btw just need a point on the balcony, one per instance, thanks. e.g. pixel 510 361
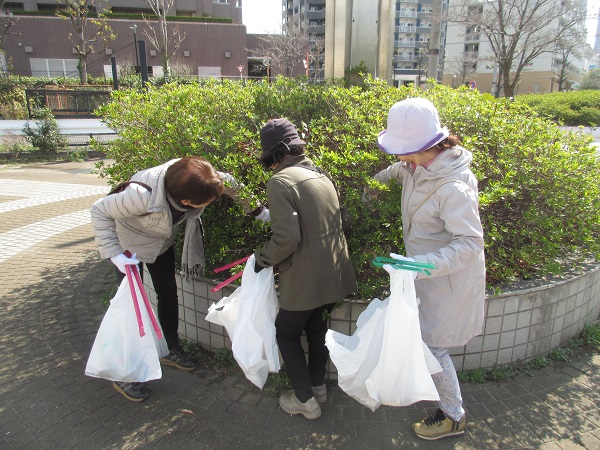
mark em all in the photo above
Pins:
pixel 405 29
pixel 316 14
pixel 316 29
pixel 405 43
pixel 472 37
pixel 411 14
pixel 405 58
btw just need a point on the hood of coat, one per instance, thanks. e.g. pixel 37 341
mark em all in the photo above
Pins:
pixel 448 163
pixel 294 160
pixel 155 178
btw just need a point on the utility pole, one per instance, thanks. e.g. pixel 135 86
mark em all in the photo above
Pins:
pixel 135 45
pixel 434 40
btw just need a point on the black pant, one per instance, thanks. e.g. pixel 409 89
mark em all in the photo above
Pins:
pixel 162 272
pixel 289 326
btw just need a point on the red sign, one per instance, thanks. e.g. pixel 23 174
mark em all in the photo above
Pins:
pixel 240 69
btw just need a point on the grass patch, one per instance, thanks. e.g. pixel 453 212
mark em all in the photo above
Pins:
pixel 224 362
pixel 276 383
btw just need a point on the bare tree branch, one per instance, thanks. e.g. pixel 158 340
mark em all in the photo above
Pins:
pixel 284 51
pixel 164 38
pixel 519 31
pixel 6 23
pixel 91 34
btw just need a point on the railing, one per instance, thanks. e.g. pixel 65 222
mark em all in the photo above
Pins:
pixel 66 103
pixel 411 14
pixel 405 43
pixel 83 139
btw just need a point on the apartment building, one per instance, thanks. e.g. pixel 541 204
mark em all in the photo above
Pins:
pixel 469 60
pixel 308 16
pixel 366 24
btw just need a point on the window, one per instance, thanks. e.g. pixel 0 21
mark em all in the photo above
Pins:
pixel 220 1
pixel 41 67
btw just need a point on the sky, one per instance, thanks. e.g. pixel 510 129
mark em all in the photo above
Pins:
pixel 264 16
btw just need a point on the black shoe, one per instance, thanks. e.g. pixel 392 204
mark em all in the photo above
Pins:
pixel 136 392
pixel 178 358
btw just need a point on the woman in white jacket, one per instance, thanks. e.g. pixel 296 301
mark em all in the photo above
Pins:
pixel 144 217
pixel 441 225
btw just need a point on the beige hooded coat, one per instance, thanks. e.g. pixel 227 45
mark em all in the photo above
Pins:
pixel 140 220
pixel 441 225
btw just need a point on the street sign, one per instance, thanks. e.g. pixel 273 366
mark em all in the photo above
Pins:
pixel 472 85
pixel 240 69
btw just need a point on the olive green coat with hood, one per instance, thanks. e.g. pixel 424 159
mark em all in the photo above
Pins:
pixel 308 245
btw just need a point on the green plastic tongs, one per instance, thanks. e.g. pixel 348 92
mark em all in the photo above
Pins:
pixel 380 261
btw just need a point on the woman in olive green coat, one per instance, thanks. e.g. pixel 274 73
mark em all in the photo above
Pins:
pixel 309 249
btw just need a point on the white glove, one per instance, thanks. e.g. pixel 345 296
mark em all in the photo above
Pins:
pixel 402 258
pixel 405 258
pixel 264 216
pixel 121 261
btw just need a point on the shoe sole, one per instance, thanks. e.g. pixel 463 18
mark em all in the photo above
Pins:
pixel 315 415
pixel 129 397
pixel 168 362
pixel 449 435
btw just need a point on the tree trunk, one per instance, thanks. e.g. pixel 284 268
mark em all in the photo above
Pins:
pixel 165 65
pixel 82 67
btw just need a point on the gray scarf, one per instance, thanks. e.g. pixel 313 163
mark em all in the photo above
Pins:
pixel 193 261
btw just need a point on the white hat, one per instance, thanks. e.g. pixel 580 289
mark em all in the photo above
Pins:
pixel 413 126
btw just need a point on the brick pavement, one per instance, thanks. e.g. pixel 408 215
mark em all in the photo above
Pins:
pixel 51 288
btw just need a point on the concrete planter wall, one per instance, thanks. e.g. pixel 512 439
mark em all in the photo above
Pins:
pixel 519 325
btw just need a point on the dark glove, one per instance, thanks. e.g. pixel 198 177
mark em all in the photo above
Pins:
pixel 257 267
pixel 261 213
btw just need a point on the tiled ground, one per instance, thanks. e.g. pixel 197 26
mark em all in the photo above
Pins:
pixel 51 289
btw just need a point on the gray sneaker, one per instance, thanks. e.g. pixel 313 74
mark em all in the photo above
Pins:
pixel 291 405
pixel 136 392
pixel 320 393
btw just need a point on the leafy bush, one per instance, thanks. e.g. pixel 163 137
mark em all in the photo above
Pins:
pixel 45 137
pixel 568 108
pixel 539 195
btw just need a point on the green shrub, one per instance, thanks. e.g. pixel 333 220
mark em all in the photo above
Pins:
pixel 539 362
pixel 474 376
pixel 539 195
pixel 591 336
pixel 45 136
pixel 568 108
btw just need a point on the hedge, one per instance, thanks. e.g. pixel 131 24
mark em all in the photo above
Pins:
pixel 539 191
pixel 578 108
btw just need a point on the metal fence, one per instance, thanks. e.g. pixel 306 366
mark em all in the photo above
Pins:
pixel 83 139
pixel 66 104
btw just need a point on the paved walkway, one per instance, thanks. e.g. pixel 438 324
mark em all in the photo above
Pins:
pixel 51 289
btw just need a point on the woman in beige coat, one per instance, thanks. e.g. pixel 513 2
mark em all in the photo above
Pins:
pixel 309 249
pixel 144 218
pixel 441 225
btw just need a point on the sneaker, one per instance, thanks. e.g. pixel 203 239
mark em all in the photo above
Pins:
pixel 136 392
pixel 320 393
pixel 178 358
pixel 438 426
pixel 291 405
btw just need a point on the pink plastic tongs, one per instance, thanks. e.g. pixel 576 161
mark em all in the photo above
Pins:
pixel 230 279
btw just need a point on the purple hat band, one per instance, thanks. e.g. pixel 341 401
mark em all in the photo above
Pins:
pixel 438 138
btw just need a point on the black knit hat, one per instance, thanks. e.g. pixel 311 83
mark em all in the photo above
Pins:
pixel 278 131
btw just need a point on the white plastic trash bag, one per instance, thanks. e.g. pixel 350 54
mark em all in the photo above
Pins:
pixel 129 342
pixel 385 361
pixel 249 316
